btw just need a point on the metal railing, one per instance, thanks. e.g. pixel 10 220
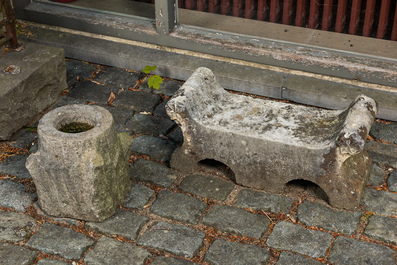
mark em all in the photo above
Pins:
pixel 8 22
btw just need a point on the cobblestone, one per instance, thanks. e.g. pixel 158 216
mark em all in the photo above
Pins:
pixel 13 254
pixel 377 175
pixel 380 202
pixel 138 197
pixel 14 196
pixel 15 227
pixel 79 70
pixel 52 262
pixel 148 124
pixel 158 149
pixel 392 181
pixel 171 261
pixel 137 100
pixel 92 92
pixel 382 228
pixel 154 173
pixel 117 77
pixel 288 258
pixel 15 166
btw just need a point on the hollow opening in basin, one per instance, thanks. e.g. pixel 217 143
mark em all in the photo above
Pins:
pixel 74 123
pixel 214 166
pixel 301 186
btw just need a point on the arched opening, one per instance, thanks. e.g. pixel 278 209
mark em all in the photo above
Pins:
pixel 214 166
pixel 297 186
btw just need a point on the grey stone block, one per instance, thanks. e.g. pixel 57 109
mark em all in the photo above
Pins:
pixel 52 262
pixel 160 110
pixel 157 148
pixel 207 186
pixel 117 77
pixel 15 227
pixel 237 221
pixel 14 196
pixel 382 228
pixel 122 223
pixel 178 206
pixel 386 132
pixel 81 175
pixel 138 197
pixel 287 258
pixel 109 252
pixel 68 221
pixel 292 237
pixel 385 155
pixel 152 172
pixel 324 147
pixel 171 261
pixel 57 240
pixel 176 136
pixel 315 214
pixel 392 181
pixel 380 202
pixel 79 71
pixel 15 166
pixel 91 92
pixel 39 84
pixel 23 138
pixel 148 124
pixel 13 254
pixel 138 101
pixel 347 251
pixel 258 200
pixel 176 239
pixel 225 252
pixel 66 100
pixel 377 175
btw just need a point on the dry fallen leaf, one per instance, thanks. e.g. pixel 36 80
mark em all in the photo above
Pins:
pixel 112 97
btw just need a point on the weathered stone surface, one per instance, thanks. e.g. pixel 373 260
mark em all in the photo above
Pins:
pixel 287 258
pixel 226 252
pixel 315 214
pixel 177 136
pixel 347 251
pixel 207 186
pixel 382 228
pixel 383 154
pixel 15 227
pixel 177 239
pixel 79 71
pixel 380 202
pixel 158 149
pixel 178 206
pixel 148 124
pixel 171 261
pixel 325 147
pixel 68 221
pixel 160 110
pixel 152 172
pixel 13 195
pixel 66 100
pixel 39 84
pixel 122 223
pixel 120 117
pixel 57 240
pixel 392 181
pixel 91 92
pixel 377 175
pixel 117 77
pixel 288 236
pixel 12 254
pixel 138 196
pixel 137 100
pixel 23 138
pixel 80 175
pixel 15 166
pixel 386 132
pixel 109 252
pixel 237 221
pixel 257 200
pixel 168 87
pixel 52 262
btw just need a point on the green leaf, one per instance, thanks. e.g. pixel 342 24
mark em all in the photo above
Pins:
pixel 148 69
pixel 155 81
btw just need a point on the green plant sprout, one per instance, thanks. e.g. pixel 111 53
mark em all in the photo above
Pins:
pixel 153 80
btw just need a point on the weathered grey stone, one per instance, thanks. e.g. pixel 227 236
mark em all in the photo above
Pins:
pixel 377 175
pixel 117 77
pixel 13 254
pixel 380 202
pixel 122 223
pixel 287 258
pixel 13 195
pixel 137 100
pixel 382 228
pixel 385 155
pixel 315 214
pixel 62 241
pixel 15 166
pixel 120 117
pixel 79 71
pixel 386 132
pixel 23 138
pixel 80 175
pixel 138 196
pixel 347 251
pixel 91 92
pixel 171 261
pixel 168 87
pixel 325 147
pixel 68 221
pixel 109 251
pixel 39 84
pixel 148 124
pixel 177 136
pixel 237 221
pixel 66 100
pixel 226 252
pixel 158 149
pixel 392 181
pixel 160 110
pixel 15 227
pixel 178 206
pixel 52 262
pixel 292 237
pixel 207 186
pixel 177 239
pixel 152 172
pixel 258 200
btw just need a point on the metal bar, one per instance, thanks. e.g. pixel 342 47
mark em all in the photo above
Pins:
pixel 275 10
pixel 237 7
pixel 9 19
pixel 166 16
pixel 287 12
pixel 225 7
pixel 300 13
pixel 3 41
pixel 189 4
pixel 249 8
pixel 263 7
pixel 202 5
pixel 394 30
pixel 369 17
pixel 354 16
pixel 341 16
pixel 383 19
pixel 314 14
pixel 213 6
pixel 327 14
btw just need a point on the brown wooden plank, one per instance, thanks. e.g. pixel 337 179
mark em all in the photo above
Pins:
pixel 300 13
pixel 287 12
pixel 394 30
pixel 314 14
pixel 327 14
pixel 383 18
pixel 369 17
pixel 201 5
pixel 237 8
pixel 213 6
pixel 225 7
pixel 249 8
pixel 341 16
pixel 354 16
pixel 263 8
pixel 275 10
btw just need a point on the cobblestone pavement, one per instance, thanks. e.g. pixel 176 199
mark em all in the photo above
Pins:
pixel 204 218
